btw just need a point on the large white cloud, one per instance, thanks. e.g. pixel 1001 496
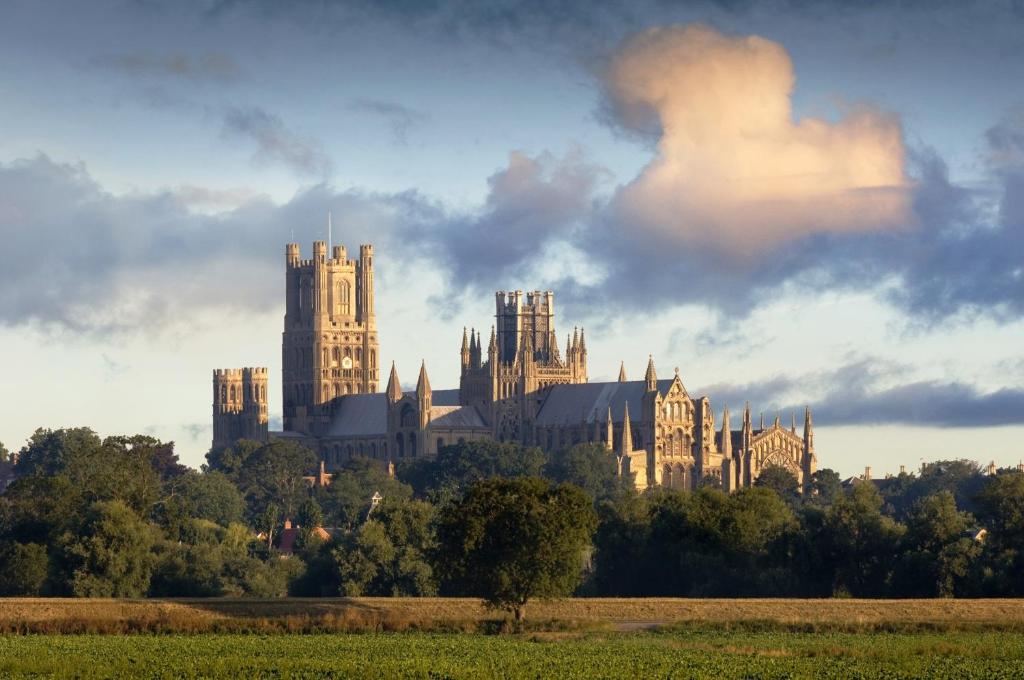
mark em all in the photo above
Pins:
pixel 734 170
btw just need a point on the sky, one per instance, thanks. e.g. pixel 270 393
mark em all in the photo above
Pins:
pixel 792 202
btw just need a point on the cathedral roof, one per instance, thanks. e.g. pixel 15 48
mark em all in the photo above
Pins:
pixel 360 414
pixel 455 416
pixel 570 404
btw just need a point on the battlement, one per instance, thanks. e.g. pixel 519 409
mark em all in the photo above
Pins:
pixel 513 301
pixel 339 255
pixel 240 373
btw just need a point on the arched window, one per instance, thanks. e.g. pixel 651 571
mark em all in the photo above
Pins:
pixel 341 304
pixel 373 358
pixel 412 443
pixel 359 356
pixel 400 445
pixel 373 450
pixel 408 418
pixel 223 393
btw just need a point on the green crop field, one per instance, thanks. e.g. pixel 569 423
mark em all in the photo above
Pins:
pixel 663 654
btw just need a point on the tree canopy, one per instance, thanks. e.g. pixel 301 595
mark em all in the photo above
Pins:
pixel 509 540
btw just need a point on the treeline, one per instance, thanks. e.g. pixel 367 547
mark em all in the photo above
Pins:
pixel 121 517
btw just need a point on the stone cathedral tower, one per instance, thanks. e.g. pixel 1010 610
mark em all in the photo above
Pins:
pixel 239 405
pixel 329 347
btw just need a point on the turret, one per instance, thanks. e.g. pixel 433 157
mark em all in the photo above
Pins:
pixel 808 433
pixel 465 353
pixel 424 396
pixel 622 372
pixel 394 389
pixel 650 377
pixel 726 447
pixel 475 351
pixel 291 255
pixel 364 271
pixel 627 433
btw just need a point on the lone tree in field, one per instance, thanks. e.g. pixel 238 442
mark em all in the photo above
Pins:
pixel 509 540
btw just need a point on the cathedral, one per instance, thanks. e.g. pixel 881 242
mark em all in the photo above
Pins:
pixel 521 387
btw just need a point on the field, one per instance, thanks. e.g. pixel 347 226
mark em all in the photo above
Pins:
pixel 565 638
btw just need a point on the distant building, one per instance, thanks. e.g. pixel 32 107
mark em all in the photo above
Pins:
pixel 524 390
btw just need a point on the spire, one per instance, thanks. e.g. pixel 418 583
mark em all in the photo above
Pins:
pixel 792 427
pixel 423 383
pixel 493 346
pixel 609 425
pixel 466 353
pixel 777 421
pixel 568 346
pixel 650 377
pixel 622 371
pixel 726 447
pixel 394 390
pixel 762 420
pixel 583 342
pixel 808 432
pixel 575 339
pixel 627 433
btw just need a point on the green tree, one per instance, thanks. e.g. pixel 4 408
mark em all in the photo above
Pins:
pixel 275 473
pixel 231 459
pixel 109 555
pixel 388 554
pixel 346 500
pixel 458 466
pixel 1000 508
pixel 781 481
pixel 825 487
pixel 509 540
pixel 859 543
pixel 23 568
pixel 5 455
pixel 209 495
pixel 591 467
pixel 935 554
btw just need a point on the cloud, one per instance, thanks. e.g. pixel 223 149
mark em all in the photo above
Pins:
pixel 733 169
pixel 212 67
pixel 400 118
pixel 276 143
pixel 862 393
pixel 78 258
pixel 531 202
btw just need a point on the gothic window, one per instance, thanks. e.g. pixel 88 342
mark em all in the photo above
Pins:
pixel 335 356
pixel 373 358
pixel 359 356
pixel 223 393
pixel 408 416
pixel 412 443
pixel 342 304
pixel 400 445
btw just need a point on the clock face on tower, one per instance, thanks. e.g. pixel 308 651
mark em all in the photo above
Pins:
pixel 346 362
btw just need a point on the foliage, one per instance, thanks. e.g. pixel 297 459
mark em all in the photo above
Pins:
pixel 209 496
pixel 458 466
pixel 388 555
pixel 346 500
pixel 109 553
pixel 509 540
pixel 23 568
pixel 274 474
pixel 591 467
pixel 781 481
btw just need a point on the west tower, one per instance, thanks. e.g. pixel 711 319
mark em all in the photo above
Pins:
pixel 329 344
pixel 239 405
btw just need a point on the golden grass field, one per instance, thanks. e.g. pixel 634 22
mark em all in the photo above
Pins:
pixel 59 615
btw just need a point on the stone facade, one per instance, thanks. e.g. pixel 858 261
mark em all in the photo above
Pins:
pixel 525 390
